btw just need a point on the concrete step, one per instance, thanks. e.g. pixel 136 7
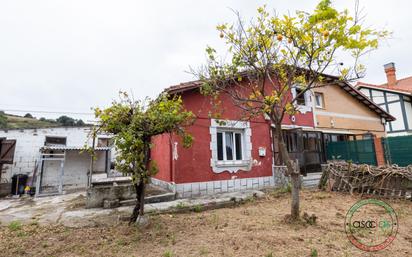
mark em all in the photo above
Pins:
pixel 151 199
pixel 311 180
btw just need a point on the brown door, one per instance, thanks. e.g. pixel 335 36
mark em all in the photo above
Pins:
pixel 7 148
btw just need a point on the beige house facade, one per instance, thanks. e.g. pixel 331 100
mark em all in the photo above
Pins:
pixel 340 113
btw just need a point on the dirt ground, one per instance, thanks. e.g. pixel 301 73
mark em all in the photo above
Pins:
pixel 256 228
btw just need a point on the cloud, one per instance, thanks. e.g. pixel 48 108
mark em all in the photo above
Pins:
pixel 73 55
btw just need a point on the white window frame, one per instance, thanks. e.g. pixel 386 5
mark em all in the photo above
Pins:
pixel 321 105
pixel 234 131
pixel 232 166
pixel 307 107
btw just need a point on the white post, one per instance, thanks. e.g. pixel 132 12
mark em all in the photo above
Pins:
pixel 61 174
pixel 39 174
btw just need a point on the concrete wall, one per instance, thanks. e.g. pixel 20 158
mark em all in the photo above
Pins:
pixel 29 141
pixel 75 170
pixel 343 113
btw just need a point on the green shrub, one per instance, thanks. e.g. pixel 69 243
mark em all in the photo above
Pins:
pixel 314 253
pixel 15 225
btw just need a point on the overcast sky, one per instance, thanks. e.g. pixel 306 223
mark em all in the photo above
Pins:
pixel 71 55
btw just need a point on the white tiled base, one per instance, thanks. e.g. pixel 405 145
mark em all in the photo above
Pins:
pixel 187 190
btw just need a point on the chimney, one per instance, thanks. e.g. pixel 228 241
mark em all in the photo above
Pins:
pixel 390 74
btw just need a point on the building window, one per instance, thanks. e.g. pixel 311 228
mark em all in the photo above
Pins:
pixel 300 97
pixel 319 100
pixel 303 101
pixel 231 146
pixel 104 142
pixel 55 141
pixel 291 141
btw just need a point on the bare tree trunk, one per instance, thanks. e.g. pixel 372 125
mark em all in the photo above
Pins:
pixel 141 195
pixel 139 207
pixel 138 210
pixel 292 171
pixel 295 179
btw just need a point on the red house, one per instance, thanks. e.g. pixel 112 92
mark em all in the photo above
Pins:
pixel 237 155
pixel 223 158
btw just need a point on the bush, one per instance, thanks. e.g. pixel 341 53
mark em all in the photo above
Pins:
pixel 15 226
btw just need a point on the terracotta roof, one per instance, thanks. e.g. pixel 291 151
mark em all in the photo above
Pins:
pixel 354 92
pixel 183 87
pixel 402 86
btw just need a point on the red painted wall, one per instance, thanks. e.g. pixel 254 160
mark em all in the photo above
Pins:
pixel 161 153
pixel 193 164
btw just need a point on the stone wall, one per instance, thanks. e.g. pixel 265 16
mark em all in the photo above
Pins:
pixel 97 194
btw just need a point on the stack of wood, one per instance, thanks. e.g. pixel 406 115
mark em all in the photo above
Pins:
pixel 387 181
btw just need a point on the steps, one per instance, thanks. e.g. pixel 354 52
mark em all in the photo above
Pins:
pixel 311 180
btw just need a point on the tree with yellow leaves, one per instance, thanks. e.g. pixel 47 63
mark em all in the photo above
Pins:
pixel 274 54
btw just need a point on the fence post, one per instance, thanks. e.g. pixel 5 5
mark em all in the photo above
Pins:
pixel 380 158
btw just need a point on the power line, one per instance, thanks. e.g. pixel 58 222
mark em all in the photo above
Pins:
pixel 50 112
pixel 3 105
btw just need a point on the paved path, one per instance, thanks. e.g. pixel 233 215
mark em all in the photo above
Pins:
pixel 69 209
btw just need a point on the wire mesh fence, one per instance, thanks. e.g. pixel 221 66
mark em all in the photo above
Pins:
pixel 398 150
pixel 357 151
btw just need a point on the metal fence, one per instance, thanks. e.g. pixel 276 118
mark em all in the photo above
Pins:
pixel 398 150
pixel 357 151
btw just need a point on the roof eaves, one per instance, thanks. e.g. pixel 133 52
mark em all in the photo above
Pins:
pixel 383 88
pixel 366 101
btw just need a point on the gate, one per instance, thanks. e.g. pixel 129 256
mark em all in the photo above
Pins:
pixel 357 151
pixel 398 150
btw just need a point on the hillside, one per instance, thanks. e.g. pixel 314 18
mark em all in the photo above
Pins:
pixel 17 122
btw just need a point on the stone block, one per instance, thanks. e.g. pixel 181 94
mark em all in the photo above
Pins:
pixel 109 204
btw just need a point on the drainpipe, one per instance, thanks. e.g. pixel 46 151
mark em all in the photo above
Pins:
pixel 315 122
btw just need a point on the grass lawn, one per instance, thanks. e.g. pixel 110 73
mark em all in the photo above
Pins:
pixel 256 228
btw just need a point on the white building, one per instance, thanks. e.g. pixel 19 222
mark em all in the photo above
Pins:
pixel 54 159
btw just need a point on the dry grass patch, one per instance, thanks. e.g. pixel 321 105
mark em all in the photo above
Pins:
pixel 256 228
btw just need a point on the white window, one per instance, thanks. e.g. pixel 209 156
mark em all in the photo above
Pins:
pixel 51 140
pixel 396 111
pixel 104 142
pixel 319 100
pixel 378 97
pixel 365 91
pixel 408 110
pixel 303 101
pixel 230 145
pixel 392 97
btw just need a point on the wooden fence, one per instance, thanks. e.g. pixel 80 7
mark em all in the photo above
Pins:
pixel 386 181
